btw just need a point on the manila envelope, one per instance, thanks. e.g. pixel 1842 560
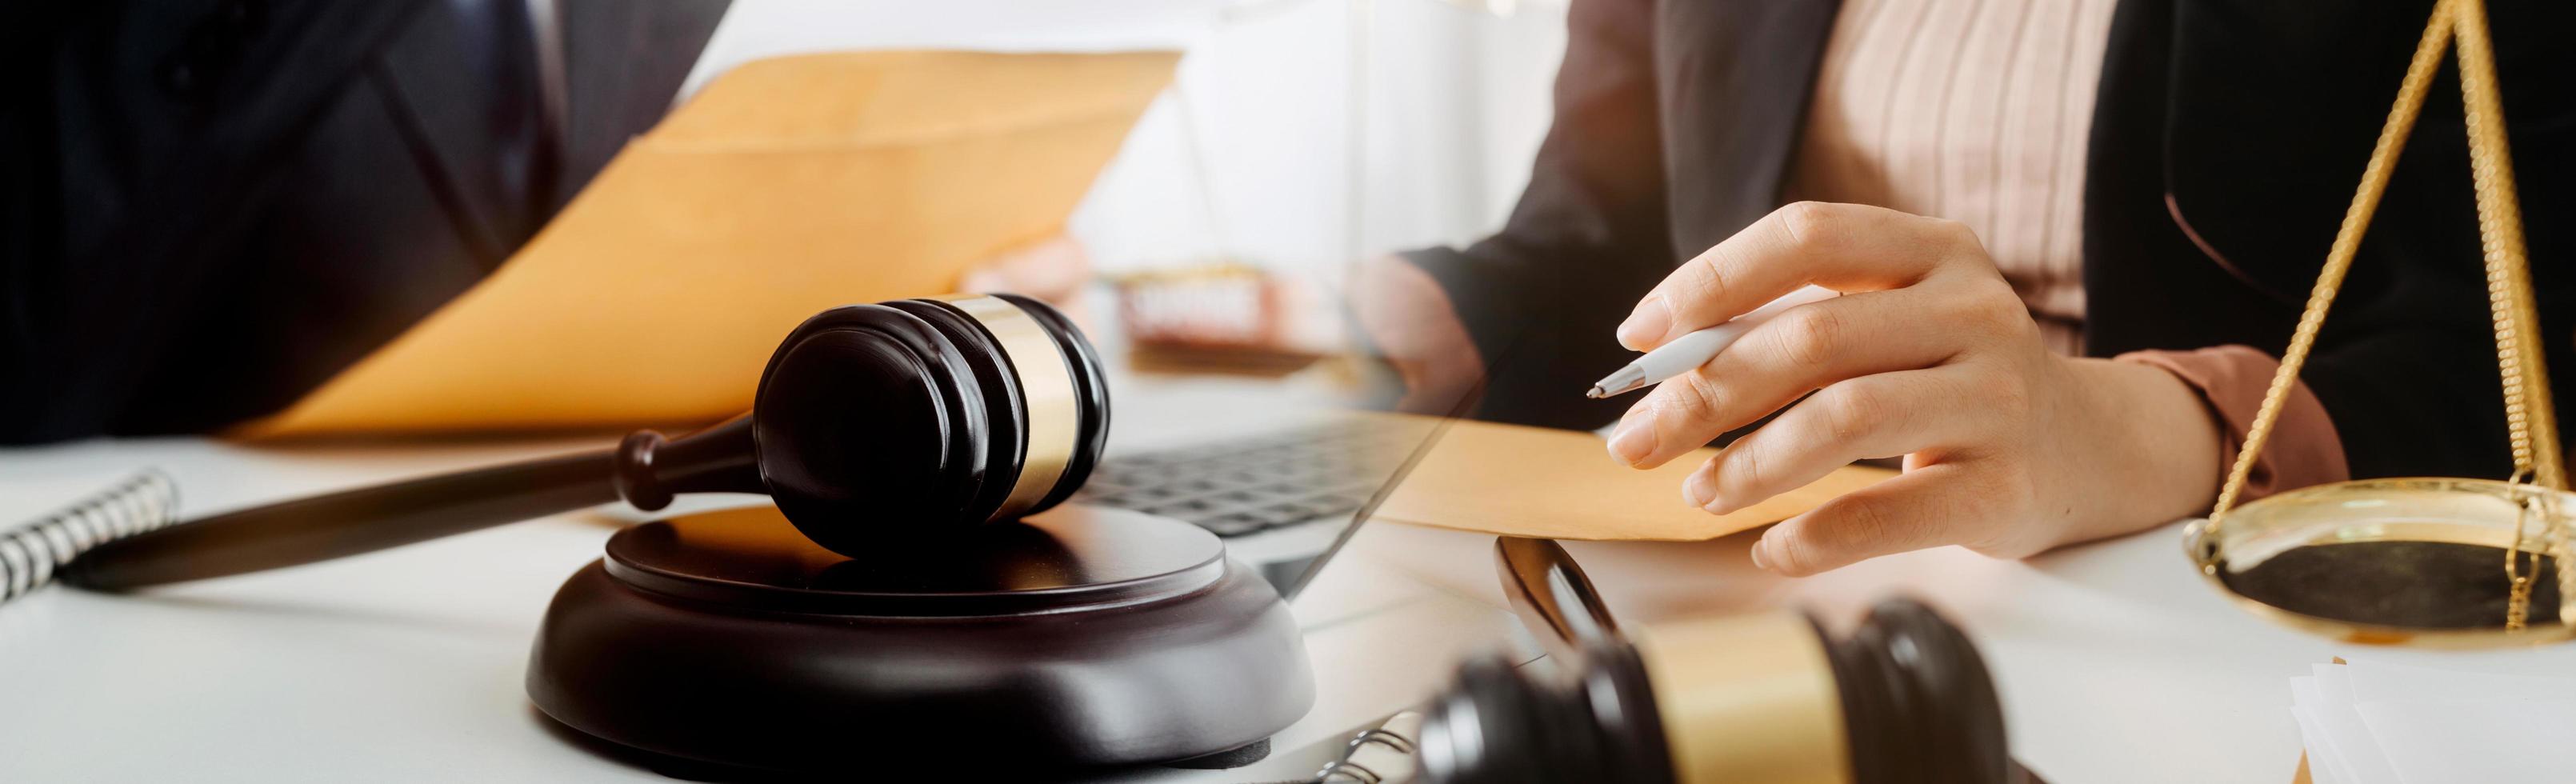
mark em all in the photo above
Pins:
pixel 786 187
pixel 1512 480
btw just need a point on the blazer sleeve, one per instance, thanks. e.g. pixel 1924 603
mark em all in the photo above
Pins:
pixel 1541 297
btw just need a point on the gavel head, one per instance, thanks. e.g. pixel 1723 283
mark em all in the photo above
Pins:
pixel 1904 697
pixel 917 417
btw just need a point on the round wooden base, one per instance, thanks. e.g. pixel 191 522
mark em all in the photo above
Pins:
pixel 1077 638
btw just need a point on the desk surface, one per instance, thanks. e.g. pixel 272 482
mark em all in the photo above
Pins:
pixel 406 664
pixel 2116 664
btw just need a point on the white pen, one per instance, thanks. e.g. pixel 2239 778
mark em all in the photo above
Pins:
pixel 1697 348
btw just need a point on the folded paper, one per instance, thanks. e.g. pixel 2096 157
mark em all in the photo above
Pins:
pixel 1558 484
pixel 786 187
pixel 2382 723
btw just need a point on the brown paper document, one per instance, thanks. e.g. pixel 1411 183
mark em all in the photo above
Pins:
pixel 1561 484
pixel 786 187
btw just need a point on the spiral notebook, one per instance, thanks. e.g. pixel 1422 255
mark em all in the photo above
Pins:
pixel 33 552
pixel 1389 753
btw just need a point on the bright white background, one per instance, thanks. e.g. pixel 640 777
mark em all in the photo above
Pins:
pixel 1250 156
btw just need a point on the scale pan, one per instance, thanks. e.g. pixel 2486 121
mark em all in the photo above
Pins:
pixel 2416 561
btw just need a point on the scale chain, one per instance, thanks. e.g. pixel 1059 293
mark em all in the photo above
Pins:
pixel 2529 420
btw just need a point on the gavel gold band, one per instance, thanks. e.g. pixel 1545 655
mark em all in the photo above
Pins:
pixel 1747 699
pixel 1046 384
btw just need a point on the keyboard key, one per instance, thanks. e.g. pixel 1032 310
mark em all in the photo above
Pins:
pixel 1234 525
pixel 1276 516
pixel 1241 486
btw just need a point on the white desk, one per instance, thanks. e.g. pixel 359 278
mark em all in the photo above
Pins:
pixel 2115 661
pixel 406 664
pixel 2116 664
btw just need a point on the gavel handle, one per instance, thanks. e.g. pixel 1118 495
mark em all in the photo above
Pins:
pixel 349 522
pixel 645 470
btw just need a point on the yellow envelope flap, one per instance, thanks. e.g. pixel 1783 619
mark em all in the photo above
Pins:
pixel 793 186
pixel 889 98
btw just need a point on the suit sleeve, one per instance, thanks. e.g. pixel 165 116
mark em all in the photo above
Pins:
pixel 1541 297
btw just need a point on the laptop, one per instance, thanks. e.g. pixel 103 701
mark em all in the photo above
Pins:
pixel 1284 499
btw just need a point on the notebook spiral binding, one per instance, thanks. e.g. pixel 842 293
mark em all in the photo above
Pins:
pixel 1394 761
pixel 32 553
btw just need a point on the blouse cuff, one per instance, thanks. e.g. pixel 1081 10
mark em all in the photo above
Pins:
pixel 2304 449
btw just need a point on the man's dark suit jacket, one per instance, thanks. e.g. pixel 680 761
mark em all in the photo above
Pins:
pixel 2227 139
pixel 208 207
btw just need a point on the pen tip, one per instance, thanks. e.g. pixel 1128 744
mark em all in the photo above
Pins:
pixel 1597 392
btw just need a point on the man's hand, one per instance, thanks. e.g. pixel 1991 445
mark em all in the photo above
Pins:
pixel 1404 311
pixel 1053 269
pixel 2009 449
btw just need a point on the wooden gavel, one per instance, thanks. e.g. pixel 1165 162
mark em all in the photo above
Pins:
pixel 872 424
pixel 1903 697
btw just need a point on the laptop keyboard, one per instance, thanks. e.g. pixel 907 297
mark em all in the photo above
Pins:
pixel 1246 485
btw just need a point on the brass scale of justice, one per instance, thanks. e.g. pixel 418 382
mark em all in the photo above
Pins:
pixel 2434 561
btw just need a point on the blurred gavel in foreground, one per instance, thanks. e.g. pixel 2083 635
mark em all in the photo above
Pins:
pixel 1770 698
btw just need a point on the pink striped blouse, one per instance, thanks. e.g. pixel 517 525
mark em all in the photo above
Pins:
pixel 1978 111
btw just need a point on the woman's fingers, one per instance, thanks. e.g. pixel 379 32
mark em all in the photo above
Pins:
pixel 1846 247
pixel 1946 408
pixel 1802 350
pixel 1934 357
pixel 1951 503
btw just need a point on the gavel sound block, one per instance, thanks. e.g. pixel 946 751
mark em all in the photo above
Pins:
pixel 1077 637
pixel 915 595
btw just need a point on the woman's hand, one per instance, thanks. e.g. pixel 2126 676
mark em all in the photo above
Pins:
pixel 2009 449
